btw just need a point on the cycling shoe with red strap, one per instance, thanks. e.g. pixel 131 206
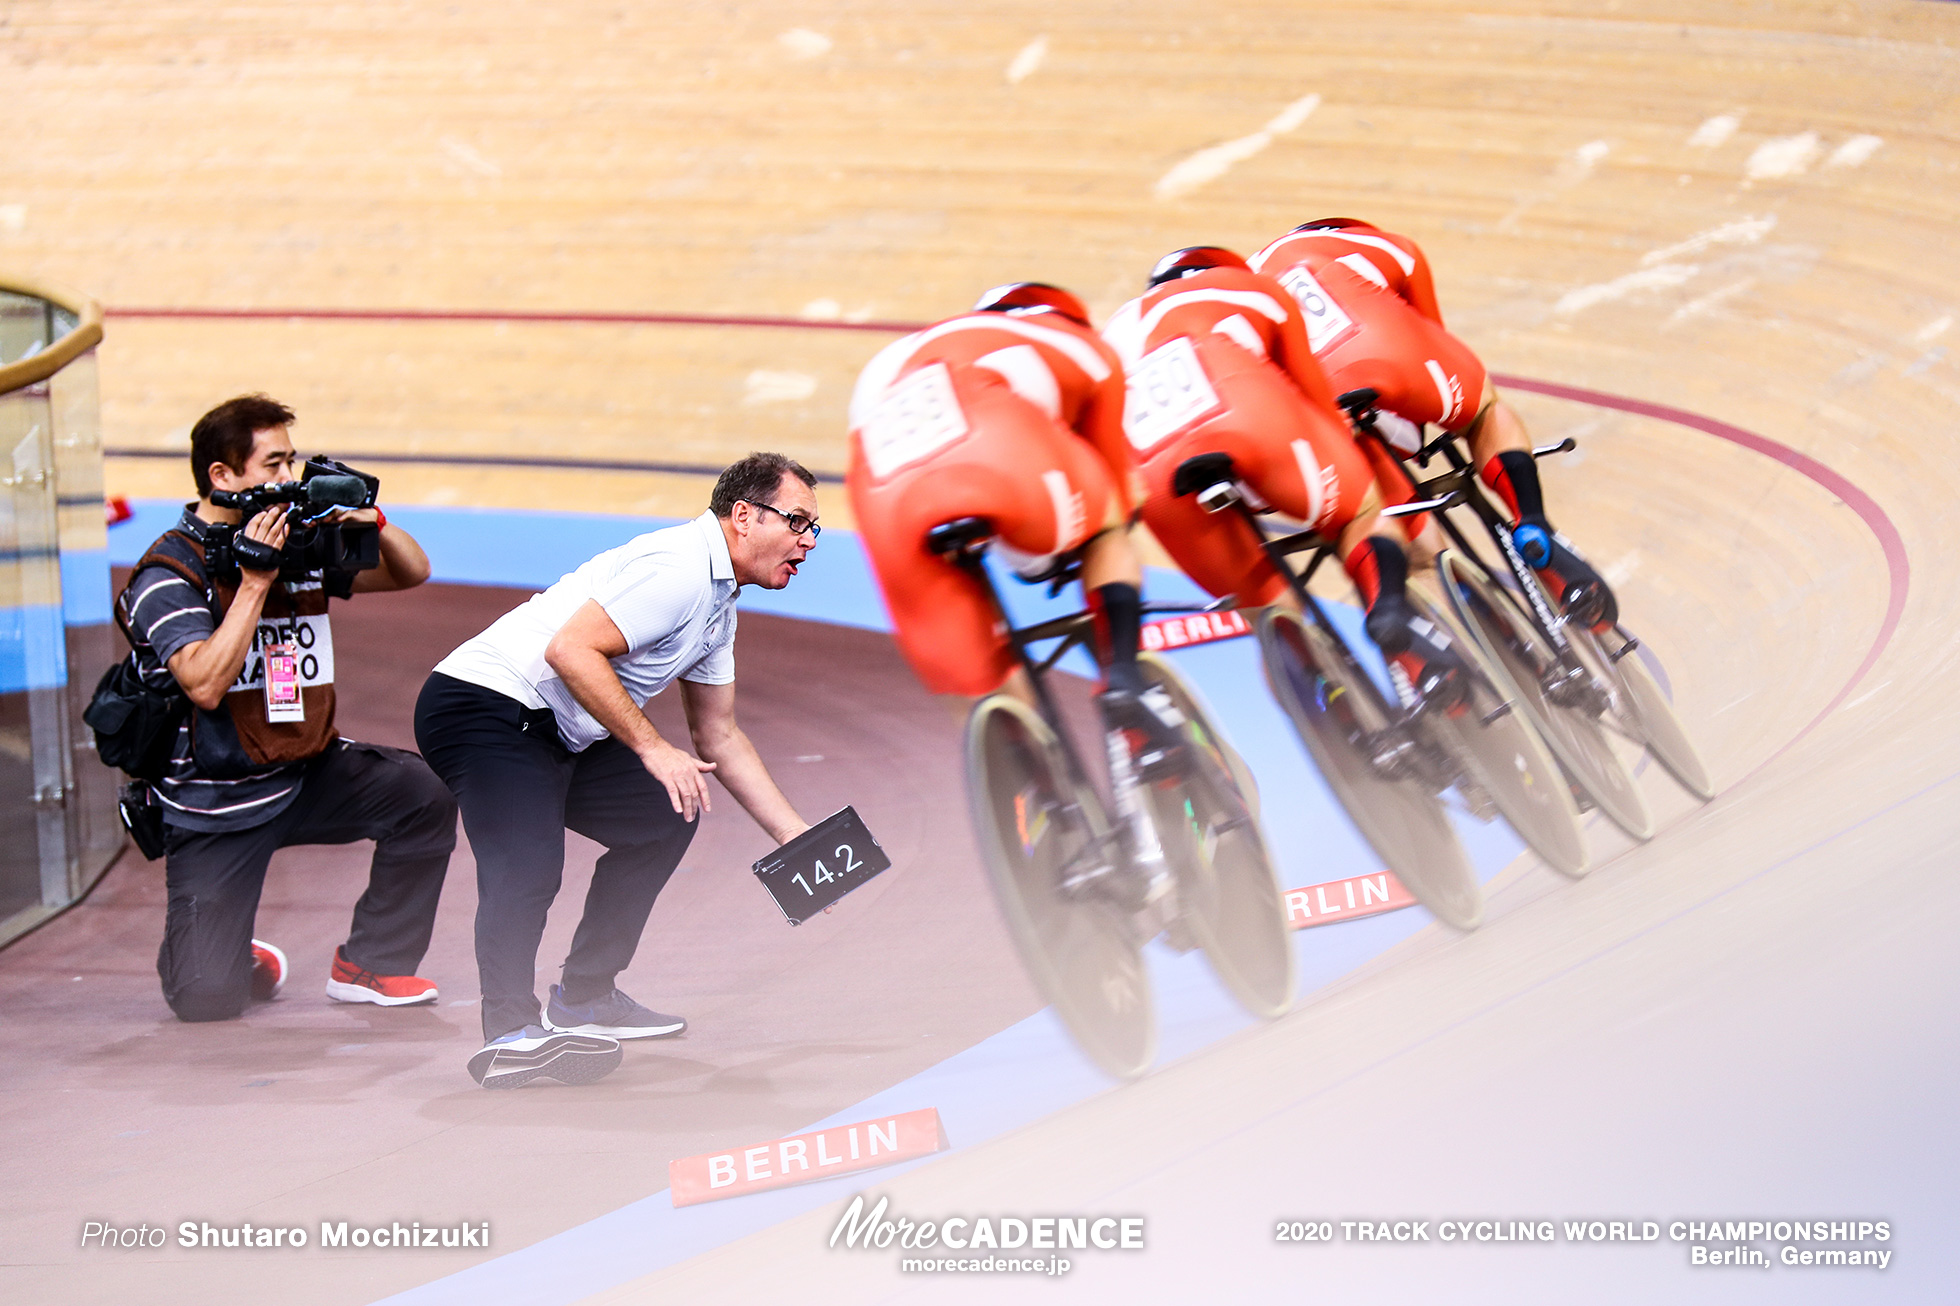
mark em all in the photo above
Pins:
pixel 1153 726
pixel 1581 592
pixel 1421 649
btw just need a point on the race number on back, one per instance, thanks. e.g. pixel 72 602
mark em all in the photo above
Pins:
pixel 1326 320
pixel 920 415
pixel 1165 392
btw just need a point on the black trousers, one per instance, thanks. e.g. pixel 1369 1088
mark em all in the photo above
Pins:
pixel 520 790
pixel 351 791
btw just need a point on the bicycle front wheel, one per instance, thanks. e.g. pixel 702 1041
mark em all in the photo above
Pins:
pixel 1576 736
pixel 1644 713
pixel 1227 893
pixel 1503 756
pixel 1038 831
pixel 1342 721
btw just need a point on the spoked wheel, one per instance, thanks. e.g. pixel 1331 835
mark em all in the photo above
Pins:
pixel 1037 831
pixel 1503 756
pixel 1642 711
pixel 1227 893
pixel 1576 735
pixel 1341 718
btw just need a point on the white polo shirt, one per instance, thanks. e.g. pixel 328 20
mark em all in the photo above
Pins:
pixel 672 595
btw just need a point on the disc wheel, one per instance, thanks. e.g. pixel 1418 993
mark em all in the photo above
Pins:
pixel 1338 715
pixel 1644 713
pixel 1037 829
pixel 1577 736
pixel 1502 755
pixel 1228 896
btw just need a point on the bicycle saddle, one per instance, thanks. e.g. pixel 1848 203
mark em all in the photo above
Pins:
pixel 1356 402
pixel 959 535
pixel 1197 474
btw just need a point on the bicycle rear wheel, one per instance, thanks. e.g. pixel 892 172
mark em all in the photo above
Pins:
pixel 1575 735
pixel 1503 756
pixel 1645 714
pixel 1227 893
pixel 1340 717
pixel 1037 828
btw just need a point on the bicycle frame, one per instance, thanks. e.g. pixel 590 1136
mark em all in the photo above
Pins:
pixel 966 549
pixel 1279 549
pixel 1461 484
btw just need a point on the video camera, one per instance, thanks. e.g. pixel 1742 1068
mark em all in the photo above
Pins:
pixel 325 487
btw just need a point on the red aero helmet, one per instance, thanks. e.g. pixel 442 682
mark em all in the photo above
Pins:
pixel 1019 297
pixel 1195 258
pixel 1337 224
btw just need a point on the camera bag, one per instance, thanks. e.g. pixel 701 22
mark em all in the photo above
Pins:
pixel 135 725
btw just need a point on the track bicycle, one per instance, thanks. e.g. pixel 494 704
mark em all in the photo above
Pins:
pixel 1084 883
pixel 1581 687
pixel 1391 761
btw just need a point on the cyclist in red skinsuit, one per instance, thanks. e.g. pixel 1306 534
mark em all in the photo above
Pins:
pixel 1012 413
pixel 1373 322
pixel 1219 362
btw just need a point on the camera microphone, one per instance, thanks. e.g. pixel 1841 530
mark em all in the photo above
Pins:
pixel 336 491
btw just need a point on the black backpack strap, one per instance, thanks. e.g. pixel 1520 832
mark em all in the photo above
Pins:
pixel 182 560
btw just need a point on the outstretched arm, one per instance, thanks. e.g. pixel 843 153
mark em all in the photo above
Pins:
pixel 711 721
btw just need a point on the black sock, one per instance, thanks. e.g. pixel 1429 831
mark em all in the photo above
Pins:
pixel 1121 608
pixel 1379 564
pixel 1518 472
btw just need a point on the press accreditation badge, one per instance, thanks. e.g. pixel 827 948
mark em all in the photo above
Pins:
pixel 821 865
pixel 282 680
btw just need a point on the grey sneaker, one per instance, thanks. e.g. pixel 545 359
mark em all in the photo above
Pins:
pixel 614 1016
pixel 534 1052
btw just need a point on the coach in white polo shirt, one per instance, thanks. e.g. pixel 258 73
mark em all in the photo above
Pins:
pixel 537 726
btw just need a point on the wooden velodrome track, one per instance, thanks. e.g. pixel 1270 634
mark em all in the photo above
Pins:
pixel 1740 210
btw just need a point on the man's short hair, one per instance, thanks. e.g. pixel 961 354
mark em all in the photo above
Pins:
pixel 224 435
pixel 756 478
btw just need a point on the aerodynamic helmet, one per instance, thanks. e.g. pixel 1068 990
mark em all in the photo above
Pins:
pixel 1196 258
pixel 1021 297
pixel 1337 224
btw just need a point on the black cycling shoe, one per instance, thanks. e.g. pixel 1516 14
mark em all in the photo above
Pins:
pixel 1422 650
pixel 1582 593
pixel 1154 726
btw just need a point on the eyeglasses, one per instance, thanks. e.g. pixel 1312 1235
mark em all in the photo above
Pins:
pixel 796 521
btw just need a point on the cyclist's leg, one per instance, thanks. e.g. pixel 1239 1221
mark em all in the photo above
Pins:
pixel 1500 448
pixel 1422 539
pixel 1372 550
pixel 1112 582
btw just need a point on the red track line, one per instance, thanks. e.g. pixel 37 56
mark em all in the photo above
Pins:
pixel 507 315
pixel 1898 565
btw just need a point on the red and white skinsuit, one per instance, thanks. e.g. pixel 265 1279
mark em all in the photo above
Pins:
pixel 1015 419
pixel 1219 362
pixel 1373 322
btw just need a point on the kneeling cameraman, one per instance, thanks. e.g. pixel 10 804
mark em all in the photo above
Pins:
pixel 238 621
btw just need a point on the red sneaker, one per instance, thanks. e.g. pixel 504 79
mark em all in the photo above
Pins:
pixel 269 970
pixel 350 983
